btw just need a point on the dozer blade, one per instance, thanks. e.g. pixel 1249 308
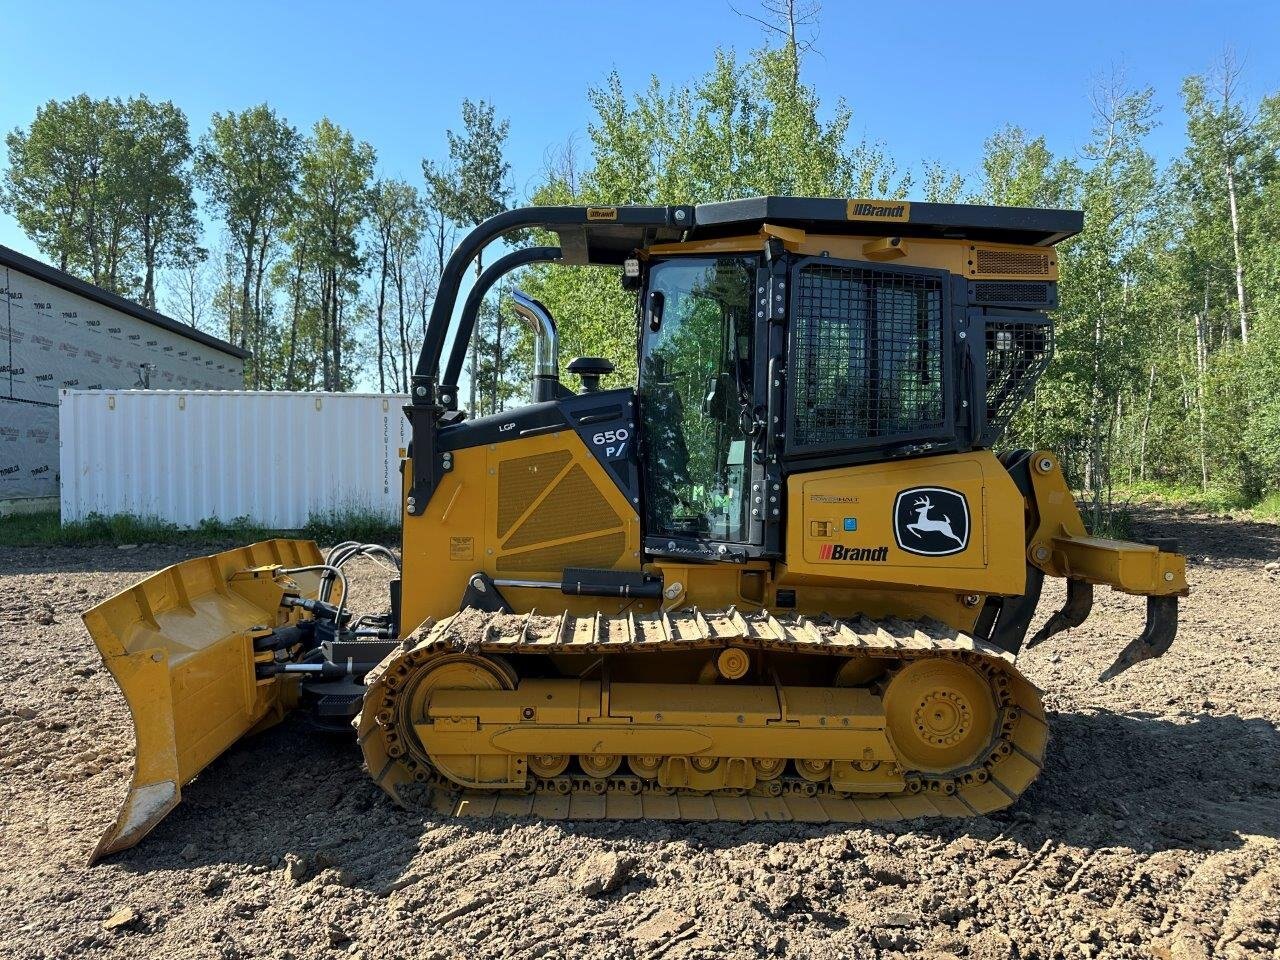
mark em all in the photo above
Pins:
pixel 180 646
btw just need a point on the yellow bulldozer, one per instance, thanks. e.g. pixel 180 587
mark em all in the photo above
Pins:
pixel 782 576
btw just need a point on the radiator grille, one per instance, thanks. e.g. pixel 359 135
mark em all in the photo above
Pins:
pixel 575 507
pixel 521 480
pixel 1022 293
pixel 1017 353
pixel 867 356
pixel 1016 262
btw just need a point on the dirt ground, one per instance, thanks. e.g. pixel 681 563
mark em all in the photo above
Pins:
pixel 1154 831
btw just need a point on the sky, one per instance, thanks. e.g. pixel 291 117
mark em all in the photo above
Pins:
pixel 931 80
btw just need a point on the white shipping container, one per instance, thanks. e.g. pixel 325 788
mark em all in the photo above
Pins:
pixel 183 456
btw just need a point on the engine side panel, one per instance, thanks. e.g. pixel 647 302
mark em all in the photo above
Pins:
pixel 954 523
pixel 519 509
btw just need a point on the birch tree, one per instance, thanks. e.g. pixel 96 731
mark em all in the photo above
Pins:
pixel 333 201
pixel 398 221
pixel 472 187
pixel 248 164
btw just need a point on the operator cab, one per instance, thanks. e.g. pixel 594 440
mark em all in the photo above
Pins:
pixel 755 366
pixel 776 335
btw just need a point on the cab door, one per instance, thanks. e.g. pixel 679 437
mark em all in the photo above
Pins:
pixel 698 385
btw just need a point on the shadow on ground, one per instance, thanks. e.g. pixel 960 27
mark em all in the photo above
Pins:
pixel 1111 781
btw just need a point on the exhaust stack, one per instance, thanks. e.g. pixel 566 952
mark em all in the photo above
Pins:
pixel 546 346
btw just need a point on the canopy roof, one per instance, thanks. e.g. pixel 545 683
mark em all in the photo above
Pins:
pixel 609 234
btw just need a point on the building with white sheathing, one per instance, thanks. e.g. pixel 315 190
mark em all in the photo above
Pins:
pixel 56 333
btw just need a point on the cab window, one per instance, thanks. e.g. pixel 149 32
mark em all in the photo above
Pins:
pixel 695 387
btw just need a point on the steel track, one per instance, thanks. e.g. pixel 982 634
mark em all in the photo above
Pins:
pixel 1011 762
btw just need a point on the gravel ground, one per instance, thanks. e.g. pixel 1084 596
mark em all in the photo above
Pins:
pixel 1154 831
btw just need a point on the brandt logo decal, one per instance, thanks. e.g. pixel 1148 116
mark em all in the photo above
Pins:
pixel 877 210
pixel 839 551
pixel 931 521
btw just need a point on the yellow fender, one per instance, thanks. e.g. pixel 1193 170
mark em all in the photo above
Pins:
pixel 180 646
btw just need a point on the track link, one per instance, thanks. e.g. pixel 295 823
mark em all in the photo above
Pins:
pixel 1011 761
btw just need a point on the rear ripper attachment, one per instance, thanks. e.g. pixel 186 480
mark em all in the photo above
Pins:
pixel 1060 546
pixel 782 718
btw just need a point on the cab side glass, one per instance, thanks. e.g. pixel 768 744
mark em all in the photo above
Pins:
pixel 696 371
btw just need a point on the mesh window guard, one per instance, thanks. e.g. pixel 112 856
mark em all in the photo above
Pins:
pixel 1017 353
pixel 866 357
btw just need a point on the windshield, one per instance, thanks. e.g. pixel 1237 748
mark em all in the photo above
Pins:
pixel 695 383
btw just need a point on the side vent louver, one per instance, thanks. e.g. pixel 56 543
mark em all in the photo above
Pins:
pixel 1025 294
pixel 553 516
pixel 989 261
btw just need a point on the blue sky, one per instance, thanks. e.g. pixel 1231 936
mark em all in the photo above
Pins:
pixel 929 79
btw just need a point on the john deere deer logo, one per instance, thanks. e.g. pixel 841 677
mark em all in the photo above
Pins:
pixel 931 521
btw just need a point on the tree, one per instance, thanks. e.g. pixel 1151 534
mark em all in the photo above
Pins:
pixel 398 222
pixel 104 188
pixel 746 128
pixel 1101 325
pixel 1216 176
pixel 942 184
pixel 787 19
pixel 248 163
pixel 187 288
pixel 60 181
pixel 473 187
pixel 333 201
pixel 416 285
pixel 158 179
pixel 1021 172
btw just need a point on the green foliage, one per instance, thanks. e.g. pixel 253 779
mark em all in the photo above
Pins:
pixel 1213 500
pixel 472 186
pixel 746 128
pixel 1157 380
pixel 104 188
pixel 247 163
pixel 1167 349
pixel 1114 523
pixel 1194 307
pixel 334 196
pixel 339 526
pixel 37 529
pixel 1268 508
pixel 43 529
pixel 29 529
pixel 398 219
